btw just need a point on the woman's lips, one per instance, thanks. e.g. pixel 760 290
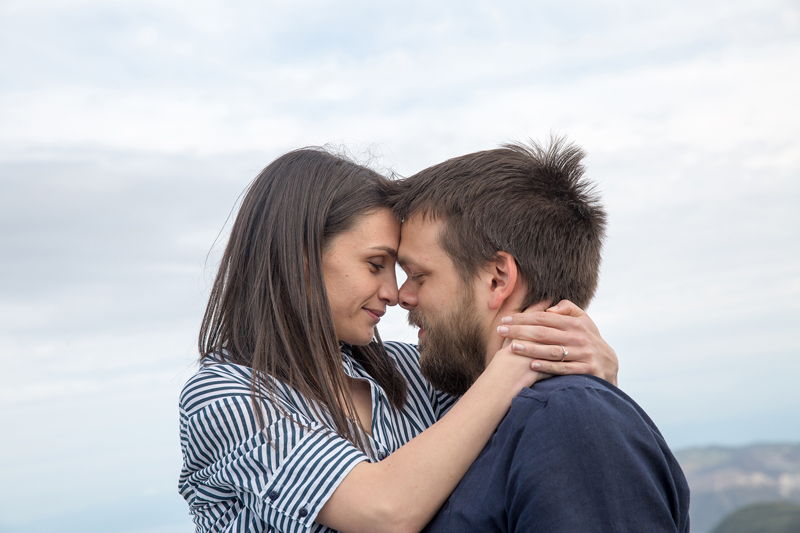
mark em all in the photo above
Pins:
pixel 375 315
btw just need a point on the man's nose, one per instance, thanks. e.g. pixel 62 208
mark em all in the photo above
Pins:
pixel 408 297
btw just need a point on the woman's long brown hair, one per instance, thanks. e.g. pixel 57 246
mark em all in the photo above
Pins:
pixel 268 307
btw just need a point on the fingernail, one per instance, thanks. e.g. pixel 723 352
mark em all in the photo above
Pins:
pixel 536 366
pixel 502 330
pixel 506 320
pixel 516 347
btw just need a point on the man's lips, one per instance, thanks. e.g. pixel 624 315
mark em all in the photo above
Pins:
pixel 415 321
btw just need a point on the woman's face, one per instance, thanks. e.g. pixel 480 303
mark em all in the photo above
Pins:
pixel 358 266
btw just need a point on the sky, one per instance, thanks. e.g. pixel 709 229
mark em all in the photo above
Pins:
pixel 128 131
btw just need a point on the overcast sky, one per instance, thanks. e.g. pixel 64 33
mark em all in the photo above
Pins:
pixel 129 129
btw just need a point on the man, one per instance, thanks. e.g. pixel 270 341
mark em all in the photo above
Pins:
pixel 484 236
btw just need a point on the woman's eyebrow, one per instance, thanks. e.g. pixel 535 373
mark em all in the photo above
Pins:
pixel 389 250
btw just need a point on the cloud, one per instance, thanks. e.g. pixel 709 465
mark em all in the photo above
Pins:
pixel 241 87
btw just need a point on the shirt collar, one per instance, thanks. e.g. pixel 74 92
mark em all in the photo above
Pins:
pixel 349 364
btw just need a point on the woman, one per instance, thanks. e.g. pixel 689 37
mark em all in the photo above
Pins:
pixel 300 418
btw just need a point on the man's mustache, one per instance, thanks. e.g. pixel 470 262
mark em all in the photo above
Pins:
pixel 415 319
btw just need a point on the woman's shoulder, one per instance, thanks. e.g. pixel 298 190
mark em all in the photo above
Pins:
pixel 220 386
pixel 406 357
pixel 214 380
pixel 402 351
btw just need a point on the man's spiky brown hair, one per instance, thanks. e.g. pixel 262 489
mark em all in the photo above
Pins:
pixel 530 201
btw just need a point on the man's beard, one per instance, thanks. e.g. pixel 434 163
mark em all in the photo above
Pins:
pixel 452 353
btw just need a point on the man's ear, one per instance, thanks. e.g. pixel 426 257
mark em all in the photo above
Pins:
pixel 503 275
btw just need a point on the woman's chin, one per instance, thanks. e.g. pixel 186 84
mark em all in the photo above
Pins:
pixel 359 340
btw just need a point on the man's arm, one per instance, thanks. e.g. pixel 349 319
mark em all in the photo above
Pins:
pixel 590 460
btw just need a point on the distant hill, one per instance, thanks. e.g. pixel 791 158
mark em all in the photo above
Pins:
pixel 779 517
pixel 724 479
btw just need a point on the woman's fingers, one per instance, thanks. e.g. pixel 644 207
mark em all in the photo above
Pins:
pixel 561 369
pixel 538 334
pixel 536 318
pixel 564 339
pixel 539 351
pixel 566 307
pixel 563 315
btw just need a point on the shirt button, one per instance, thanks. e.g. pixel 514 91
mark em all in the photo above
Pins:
pixel 273 494
pixel 302 512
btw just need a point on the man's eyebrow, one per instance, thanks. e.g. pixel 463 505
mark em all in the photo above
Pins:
pixel 405 262
pixel 389 250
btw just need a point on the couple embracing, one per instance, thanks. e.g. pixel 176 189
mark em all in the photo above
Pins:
pixel 300 418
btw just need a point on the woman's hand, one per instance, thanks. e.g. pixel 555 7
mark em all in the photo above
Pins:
pixel 561 340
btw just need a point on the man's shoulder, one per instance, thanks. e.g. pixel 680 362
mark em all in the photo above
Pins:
pixel 575 439
pixel 570 389
pixel 543 390
pixel 572 400
pixel 582 416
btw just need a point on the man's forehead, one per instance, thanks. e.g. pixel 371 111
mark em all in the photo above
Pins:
pixel 419 241
pixel 408 252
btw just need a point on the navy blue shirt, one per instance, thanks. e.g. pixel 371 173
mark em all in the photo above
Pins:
pixel 573 454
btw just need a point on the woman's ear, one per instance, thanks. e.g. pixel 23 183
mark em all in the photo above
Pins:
pixel 503 275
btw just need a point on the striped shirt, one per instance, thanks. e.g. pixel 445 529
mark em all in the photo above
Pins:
pixel 238 478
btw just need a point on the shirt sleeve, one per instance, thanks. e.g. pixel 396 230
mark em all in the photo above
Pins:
pixel 283 474
pixel 587 461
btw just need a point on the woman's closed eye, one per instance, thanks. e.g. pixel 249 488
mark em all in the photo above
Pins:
pixel 380 262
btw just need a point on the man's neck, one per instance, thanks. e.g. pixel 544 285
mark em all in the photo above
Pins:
pixel 493 342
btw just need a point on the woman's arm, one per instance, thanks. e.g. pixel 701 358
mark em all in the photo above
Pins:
pixel 403 492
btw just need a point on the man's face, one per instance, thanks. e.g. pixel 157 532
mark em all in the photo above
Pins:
pixel 442 305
